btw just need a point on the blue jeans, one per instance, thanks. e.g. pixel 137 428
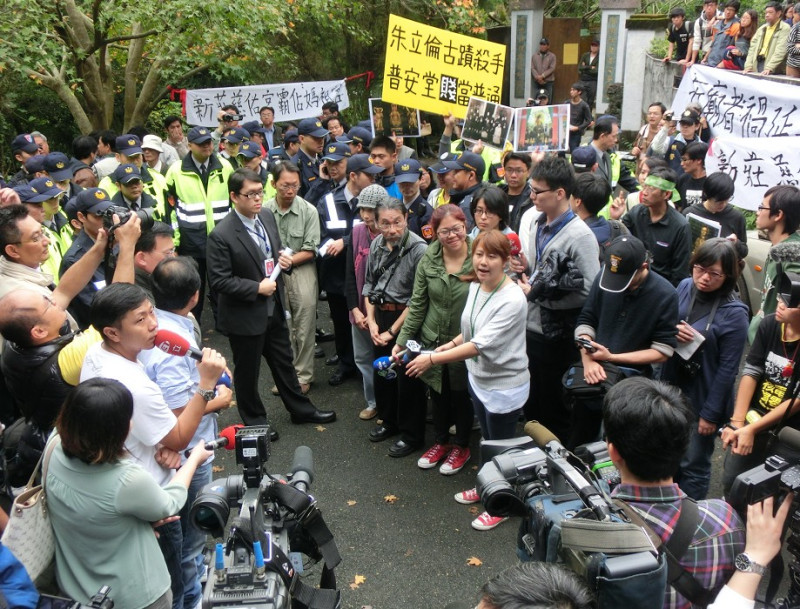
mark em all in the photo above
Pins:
pixel 694 475
pixel 495 426
pixel 170 540
pixel 194 540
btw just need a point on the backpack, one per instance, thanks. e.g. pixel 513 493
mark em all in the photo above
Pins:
pixel 617 229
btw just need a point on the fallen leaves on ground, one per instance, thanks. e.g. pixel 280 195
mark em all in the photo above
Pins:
pixel 474 510
pixel 357 581
pixel 217 469
pixel 390 499
pixel 351 502
pixel 320 428
pixel 474 561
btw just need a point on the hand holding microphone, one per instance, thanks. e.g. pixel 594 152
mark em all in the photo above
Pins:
pixel 226 440
pixel 175 344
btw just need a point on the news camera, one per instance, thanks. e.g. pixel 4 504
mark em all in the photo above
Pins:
pixel 124 214
pixel 777 477
pixel 569 517
pixel 260 563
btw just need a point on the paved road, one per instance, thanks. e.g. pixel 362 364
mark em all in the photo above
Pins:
pixel 412 552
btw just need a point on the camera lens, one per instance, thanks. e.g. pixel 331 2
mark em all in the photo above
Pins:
pixel 210 509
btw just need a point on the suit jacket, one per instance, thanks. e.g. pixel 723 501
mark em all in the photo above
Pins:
pixel 235 269
pixel 277 136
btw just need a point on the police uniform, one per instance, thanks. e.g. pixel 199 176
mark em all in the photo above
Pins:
pixel 199 203
pixel 338 215
pixel 154 184
pixel 309 171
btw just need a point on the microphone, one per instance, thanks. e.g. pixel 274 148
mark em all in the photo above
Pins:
pixel 174 344
pixel 302 472
pixel 516 245
pixel 540 434
pixel 226 440
pixel 790 437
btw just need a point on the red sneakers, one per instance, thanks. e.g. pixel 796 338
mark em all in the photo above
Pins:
pixel 486 522
pixel 433 456
pixel 468 497
pixel 457 459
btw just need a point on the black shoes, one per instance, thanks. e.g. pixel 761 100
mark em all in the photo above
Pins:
pixel 274 436
pixel 401 448
pixel 318 416
pixel 333 360
pixel 323 336
pixel 381 433
pixel 319 352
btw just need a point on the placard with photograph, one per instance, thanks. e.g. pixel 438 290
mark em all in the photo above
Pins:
pixel 488 122
pixel 544 128
pixel 393 119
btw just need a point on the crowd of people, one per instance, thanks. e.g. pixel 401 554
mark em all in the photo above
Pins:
pixel 724 39
pixel 505 288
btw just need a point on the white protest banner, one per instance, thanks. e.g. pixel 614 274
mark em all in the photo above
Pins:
pixel 739 105
pixel 291 101
pixel 755 164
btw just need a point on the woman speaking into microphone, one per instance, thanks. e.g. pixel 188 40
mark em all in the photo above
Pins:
pixel 492 341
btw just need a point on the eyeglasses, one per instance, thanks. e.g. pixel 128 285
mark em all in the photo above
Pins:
pixel 482 211
pixel 701 270
pixel 456 231
pixel 515 170
pixel 288 187
pixel 170 252
pixel 388 225
pixel 258 194
pixel 761 207
pixel 35 238
pixel 536 192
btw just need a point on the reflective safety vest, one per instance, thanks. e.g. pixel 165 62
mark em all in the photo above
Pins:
pixel 195 206
pixel 616 167
pixel 156 188
pixel 53 262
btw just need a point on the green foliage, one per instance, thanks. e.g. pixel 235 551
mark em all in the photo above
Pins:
pixel 163 109
pixel 659 47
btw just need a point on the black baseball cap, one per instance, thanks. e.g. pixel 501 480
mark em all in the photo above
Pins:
pixel 91 201
pixel 126 173
pixel 407 170
pixel 312 127
pixel 58 167
pixel 336 151
pixel 128 144
pixel 24 142
pixel 470 161
pixel 198 135
pixel 621 259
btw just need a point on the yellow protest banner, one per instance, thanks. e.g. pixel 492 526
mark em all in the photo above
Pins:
pixel 438 71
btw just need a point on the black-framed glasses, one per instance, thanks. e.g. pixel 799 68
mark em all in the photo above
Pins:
pixel 701 270
pixel 536 192
pixel 761 207
pixel 258 194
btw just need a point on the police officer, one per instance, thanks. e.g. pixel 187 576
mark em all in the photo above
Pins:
pixel 312 139
pixel 407 176
pixel 333 171
pixel 199 188
pixel 289 149
pixel 129 150
pixel 231 141
pixel 358 138
pixel 338 213
pixel 130 194
pixel 41 196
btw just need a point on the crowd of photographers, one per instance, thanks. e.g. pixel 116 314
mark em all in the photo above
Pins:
pixel 503 287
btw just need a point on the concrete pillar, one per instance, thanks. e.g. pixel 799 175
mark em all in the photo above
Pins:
pixel 527 18
pixel 639 93
pixel 611 68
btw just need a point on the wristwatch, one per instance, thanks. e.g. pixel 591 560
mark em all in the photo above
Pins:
pixel 745 564
pixel 207 394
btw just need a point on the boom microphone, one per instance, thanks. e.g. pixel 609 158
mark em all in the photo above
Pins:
pixel 790 437
pixel 539 434
pixel 302 472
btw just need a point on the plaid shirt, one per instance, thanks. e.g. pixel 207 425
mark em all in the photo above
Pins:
pixel 719 537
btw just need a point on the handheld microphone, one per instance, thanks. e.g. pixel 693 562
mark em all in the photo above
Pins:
pixel 516 245
pixel 226 440
pixel 302 472
pixel 174 344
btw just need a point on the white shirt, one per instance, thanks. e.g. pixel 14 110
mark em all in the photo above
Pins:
pixel 152 418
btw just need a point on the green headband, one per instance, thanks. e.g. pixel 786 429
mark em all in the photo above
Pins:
pixel 664 185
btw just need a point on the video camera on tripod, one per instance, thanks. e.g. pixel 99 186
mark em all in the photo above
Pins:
pixel 259 564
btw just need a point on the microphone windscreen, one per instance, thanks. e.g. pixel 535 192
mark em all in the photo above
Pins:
pixel 303 461
pixel 172 343
pixel 229 433
pixel 516 245
pixel 790 437
pixel 539 433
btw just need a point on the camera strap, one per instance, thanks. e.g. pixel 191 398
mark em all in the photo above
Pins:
pixel 392 261
pixel 310 518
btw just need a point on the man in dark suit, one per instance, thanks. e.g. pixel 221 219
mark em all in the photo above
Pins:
pixel 243 250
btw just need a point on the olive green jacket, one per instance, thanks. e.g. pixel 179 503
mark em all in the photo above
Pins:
pixel 434 314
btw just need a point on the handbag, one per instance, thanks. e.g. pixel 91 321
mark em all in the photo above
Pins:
pixel 574 381
pixel 29 534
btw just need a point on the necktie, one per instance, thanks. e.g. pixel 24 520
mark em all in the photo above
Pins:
pixel 262 238
pixel 203 170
